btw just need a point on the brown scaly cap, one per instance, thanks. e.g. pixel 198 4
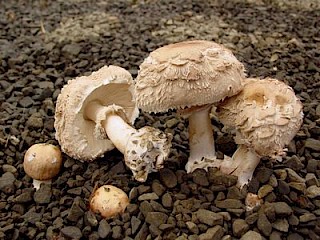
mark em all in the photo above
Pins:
pixel 79 137
pixel 266 113
pixel 42 161
pixel 187 74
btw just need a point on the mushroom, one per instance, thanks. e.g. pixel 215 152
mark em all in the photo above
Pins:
pixel 266 115
pixel 94 114
pixel 42 162
pixel 109 201
pixel 252 201
pixel 190 76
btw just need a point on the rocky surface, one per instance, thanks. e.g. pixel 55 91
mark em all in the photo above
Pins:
pixel 43 44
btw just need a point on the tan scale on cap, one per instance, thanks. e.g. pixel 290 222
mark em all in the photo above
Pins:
pixel 82 138
pixel 186 74
pixel 266 114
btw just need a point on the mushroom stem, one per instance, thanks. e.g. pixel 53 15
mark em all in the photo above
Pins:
pixel 242 164
pixel 201 141
pixel 37 183
pixel 144 149
pixel 117 129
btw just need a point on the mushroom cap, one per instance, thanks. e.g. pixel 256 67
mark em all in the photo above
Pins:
pixel 186 74
pixel 266 114
pixel 109 201
pixel 42 161
pixel 79 137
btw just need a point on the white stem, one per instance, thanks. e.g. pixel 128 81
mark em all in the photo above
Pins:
pixel 201 141
pixel 37 183
pixel 243 164
pixel 201 135
pixel 144 150
pixel 117 129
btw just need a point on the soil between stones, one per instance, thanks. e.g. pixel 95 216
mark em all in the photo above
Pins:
pixel 43 44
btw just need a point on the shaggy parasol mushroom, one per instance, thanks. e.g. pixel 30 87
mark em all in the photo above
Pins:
pixel 266 115
pixel 190 76
pixel 42 162
pixel 109 201
pixel 93 115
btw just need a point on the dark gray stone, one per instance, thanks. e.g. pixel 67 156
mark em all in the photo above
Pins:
pixel 264 225
pixel 208 217
pixel 117 232
pixel 25 197
pixel 218 178
pixel 229 203
pixel 239 227
pixel 71 50
pixel 26 102
pixel 104 229
pixel 135 224
pixel 32 216
pixel 281 225
pixel 143 232
pixel 156 218
pixel 295 236
pixel 75 211
pixel 199 176
pixel 313 144
pixel 167 200
pixel 282 209
pixel 263 174
pixel 7 183
pixel 148 196
pixel 35 121
pixel 158 188
pixel 90 218
pixel 275 235
pixel 312 165
pixel 250 235
pixel 145 207
pixel 215 232
pixel 168 178
pixel 43 195
pixel 71 232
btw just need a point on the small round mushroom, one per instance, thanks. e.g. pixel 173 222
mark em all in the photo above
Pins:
pixel 266 115
pixel 42 162
pixel 190 76
pixel 94 114
pixel 109 201
pixel 252 201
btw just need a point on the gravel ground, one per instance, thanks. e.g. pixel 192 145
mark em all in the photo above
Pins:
pixel 43 44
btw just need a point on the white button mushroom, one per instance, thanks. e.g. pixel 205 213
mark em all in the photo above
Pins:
pixel 266 115
pixel 109 201
pixel 93 115
pixel 42 162
pixel 190 76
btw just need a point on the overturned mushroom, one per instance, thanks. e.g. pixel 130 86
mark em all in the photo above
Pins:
pixel 42 162
pixel 109 201
pixel 93 115
pixel 190 76
pixel 266 115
